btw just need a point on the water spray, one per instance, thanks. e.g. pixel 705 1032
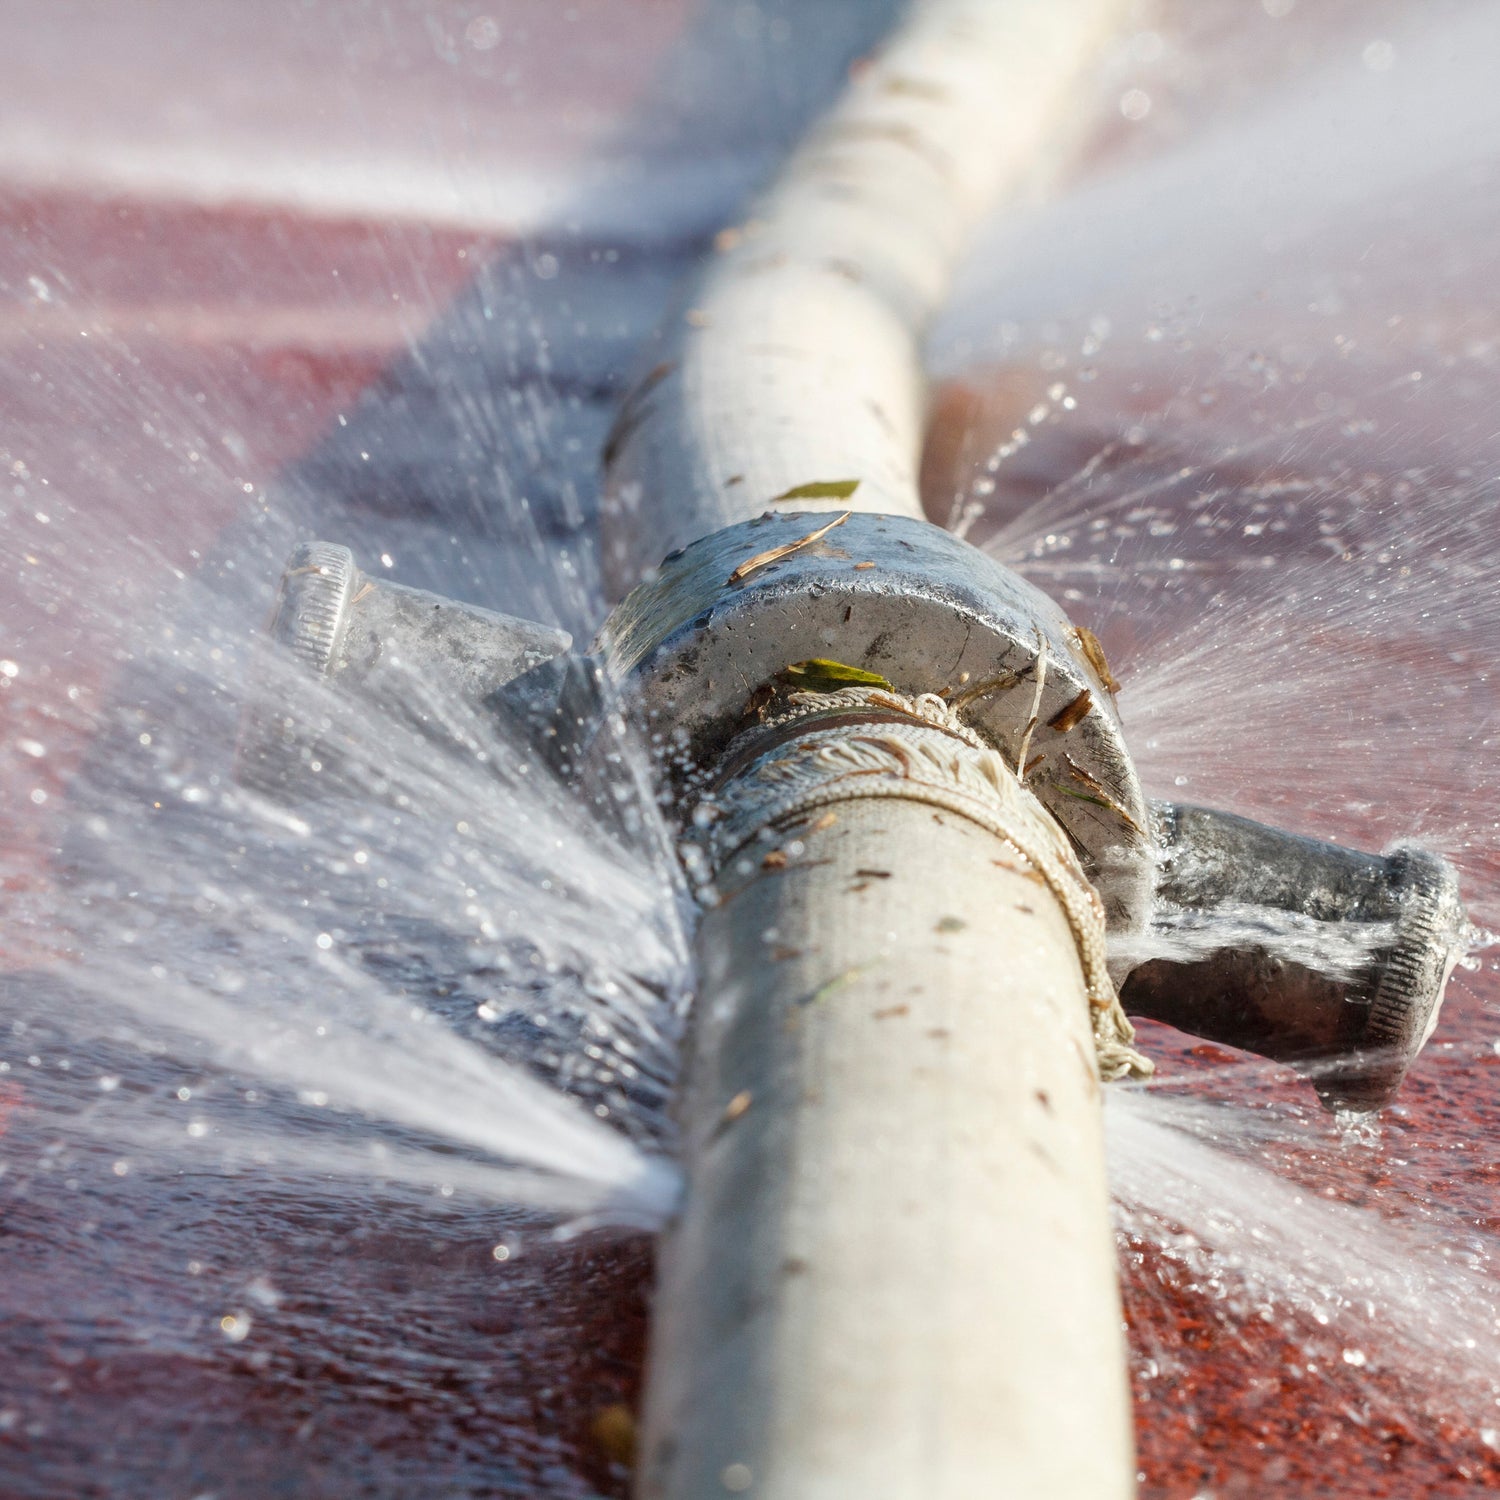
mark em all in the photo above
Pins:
pixel 932 884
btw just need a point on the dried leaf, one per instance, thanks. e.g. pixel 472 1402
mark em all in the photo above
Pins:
pixel 775 554
pixel 823 991
pixel 1098 793
pixel 1073 715
pixel 1093 653
pixel 916 88
pixel 613 1429
pixel 1036 704
pixel 967 695
pixel 737 1106
pixel 630 414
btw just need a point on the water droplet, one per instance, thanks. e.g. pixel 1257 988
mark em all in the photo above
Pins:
pixel 235 1327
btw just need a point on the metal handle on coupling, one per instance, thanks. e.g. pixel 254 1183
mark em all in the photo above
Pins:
pixel 393 647
pixel 1298 950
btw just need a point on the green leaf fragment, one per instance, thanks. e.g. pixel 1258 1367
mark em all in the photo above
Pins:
pixel 833 985
pixel 819 675
pixel 821 489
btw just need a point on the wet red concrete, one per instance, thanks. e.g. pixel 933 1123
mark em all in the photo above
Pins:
pixel 1230 1405
pixel 1247 1414
pixel 143 309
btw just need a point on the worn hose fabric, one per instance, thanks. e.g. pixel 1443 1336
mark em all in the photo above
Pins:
pixel 920 750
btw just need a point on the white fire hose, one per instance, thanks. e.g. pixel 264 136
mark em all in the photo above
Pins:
pixel 893 1276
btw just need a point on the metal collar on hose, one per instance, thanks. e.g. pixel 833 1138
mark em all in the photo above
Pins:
pixel 918 750
pixel 908 603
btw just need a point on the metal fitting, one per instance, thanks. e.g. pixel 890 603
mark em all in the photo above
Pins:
pixel 1304 952
pixel 381 642
pixel 901 600
pixel 1300 951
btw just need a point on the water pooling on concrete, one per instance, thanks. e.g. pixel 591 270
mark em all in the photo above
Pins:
pixel 179 1318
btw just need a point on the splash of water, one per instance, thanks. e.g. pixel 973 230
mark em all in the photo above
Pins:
pixel 1282 535
pixel 1205 1182
pixel 449 945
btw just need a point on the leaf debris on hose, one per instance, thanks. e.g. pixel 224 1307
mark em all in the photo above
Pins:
pixel 819 674
pixel 1093 653
pixel 1098 793
pixel 1073 715
pixel 819 489
pixel 775 554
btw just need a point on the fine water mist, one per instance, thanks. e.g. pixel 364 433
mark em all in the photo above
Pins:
pixel 447 942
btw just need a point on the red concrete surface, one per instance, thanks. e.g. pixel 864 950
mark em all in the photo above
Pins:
pixel 143 307
pixel 1229 1405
